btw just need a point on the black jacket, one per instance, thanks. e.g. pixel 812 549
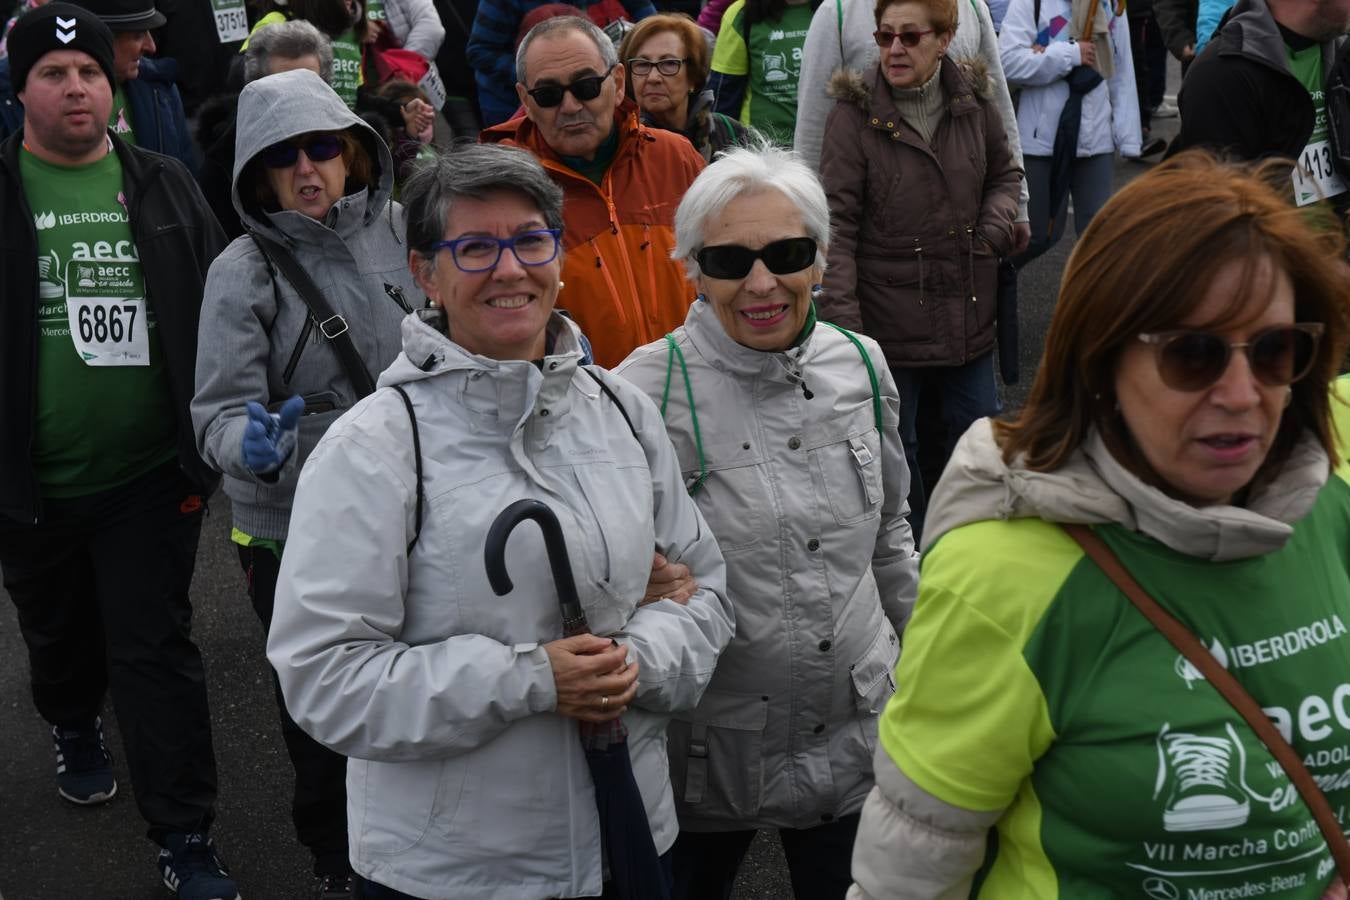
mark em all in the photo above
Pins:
pixel 176 239
pixel 1240 97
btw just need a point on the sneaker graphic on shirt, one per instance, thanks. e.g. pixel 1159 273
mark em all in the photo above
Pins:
pixel 50 285
pixel 1204 779
pixel 775 67
pixel 84 277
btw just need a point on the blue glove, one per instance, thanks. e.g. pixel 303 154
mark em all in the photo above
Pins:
pixel 269 438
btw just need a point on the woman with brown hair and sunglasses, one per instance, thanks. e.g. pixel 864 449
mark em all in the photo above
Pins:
pixel 666 59
pixel 314 178
pixel 923 191
pixel 1184 411
pixel 785 429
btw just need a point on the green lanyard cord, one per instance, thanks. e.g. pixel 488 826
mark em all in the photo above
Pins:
pixel 871 377
pixel 675 354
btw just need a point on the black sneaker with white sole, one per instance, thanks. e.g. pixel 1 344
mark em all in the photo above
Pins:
pixel 192 868
pixel 84 772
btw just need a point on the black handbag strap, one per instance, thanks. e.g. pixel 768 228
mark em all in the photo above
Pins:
pixel 330 324
pixel 417 464
pixel 1179 636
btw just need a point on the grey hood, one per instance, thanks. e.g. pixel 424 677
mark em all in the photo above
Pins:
pixel 1092 488
pixel 282 106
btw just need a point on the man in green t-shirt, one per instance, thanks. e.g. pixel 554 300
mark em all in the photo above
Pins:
pixel 1272 83
pixel 102 491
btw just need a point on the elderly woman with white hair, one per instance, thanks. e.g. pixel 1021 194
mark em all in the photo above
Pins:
pixel 786 432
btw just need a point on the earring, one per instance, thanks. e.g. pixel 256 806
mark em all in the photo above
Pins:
pixel 700 298
pixel 817 291
pixel 561 285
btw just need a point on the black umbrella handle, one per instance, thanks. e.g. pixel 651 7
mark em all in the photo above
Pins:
pixel 494 554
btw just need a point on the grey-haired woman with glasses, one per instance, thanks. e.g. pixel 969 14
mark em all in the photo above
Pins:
pixel 666 58
pixel 458 708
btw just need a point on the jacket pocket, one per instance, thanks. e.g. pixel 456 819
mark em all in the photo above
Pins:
pixel 894 296
pixel 734 503
pixel 717 753
pixel 874 672
pixel 850 472
pixel 398 801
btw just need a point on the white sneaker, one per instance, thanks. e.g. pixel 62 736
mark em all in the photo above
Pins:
pixel 1166 110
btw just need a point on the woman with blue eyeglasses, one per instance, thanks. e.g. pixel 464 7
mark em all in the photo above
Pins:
pixel 312 186
pixel 458 708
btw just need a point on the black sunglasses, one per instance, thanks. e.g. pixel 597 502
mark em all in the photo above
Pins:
pixel 318 147
pixel 1195 360
pixel 588 88
pixel 884 38
pixel 732 261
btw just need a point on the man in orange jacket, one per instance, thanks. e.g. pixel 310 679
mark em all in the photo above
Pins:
pixel 621 184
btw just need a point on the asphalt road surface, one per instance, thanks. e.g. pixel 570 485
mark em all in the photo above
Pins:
pixel 52 850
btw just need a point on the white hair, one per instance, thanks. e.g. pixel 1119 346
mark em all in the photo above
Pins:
pixel 745 171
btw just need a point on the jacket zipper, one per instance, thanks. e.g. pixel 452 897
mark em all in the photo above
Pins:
pixel 299 350
pixel 970 259
pixel 918 251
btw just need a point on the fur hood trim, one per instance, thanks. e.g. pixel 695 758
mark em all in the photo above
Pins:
pixel 852 86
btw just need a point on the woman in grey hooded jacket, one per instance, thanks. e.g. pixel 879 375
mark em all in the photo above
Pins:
pixel 260 343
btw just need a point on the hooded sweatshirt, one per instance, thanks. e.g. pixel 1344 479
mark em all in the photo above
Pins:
pixel 1035 698
pixel 257 339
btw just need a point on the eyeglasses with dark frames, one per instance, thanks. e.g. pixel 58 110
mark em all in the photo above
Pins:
pixel 584 89
pixel 481 252
pixel 668 66
pixel 885 38
pixel 1193 360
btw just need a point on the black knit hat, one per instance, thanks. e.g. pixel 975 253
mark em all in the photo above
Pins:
pixel 57 26
pixel 125 15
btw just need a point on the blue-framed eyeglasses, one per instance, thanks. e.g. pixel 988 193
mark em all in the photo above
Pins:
pixel 480 252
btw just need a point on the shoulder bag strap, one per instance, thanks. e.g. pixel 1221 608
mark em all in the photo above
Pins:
pixel 417 464
pixel 1191 648
pixel 333 326
pixel 613 399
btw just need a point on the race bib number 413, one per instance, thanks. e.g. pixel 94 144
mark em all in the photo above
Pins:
pixel 1315 177
pixel 107 317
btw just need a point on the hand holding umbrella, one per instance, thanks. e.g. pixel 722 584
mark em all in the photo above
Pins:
pixel 633 862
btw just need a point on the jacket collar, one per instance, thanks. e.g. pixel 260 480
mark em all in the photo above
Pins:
pixel 710 339
pixel 956 88
pixel 522 131
pixel 1250 30
pixel 1092 487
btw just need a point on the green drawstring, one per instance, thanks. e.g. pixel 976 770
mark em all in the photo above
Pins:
pixel 675 354
pixel 871 378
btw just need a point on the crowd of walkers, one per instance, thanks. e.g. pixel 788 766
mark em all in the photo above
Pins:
pixel 686 293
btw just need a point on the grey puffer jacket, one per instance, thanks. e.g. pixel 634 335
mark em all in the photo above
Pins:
pixel 462 781
pixel 257 339
pixel 807 500
pixel 918 226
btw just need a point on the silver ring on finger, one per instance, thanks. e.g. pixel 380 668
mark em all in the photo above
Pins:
pixel 604 703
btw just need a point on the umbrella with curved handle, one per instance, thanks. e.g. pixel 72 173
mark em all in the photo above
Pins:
pixel 634 865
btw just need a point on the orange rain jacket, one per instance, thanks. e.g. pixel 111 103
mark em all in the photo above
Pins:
pixel 621 286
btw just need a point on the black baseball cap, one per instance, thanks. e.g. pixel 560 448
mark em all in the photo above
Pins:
pixel 125 15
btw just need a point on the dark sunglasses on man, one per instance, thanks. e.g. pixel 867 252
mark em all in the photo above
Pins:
pixel 584 89
pixel 732 261
pixel 317 147
pixel 885 38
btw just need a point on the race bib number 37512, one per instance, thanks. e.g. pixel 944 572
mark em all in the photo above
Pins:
pixel 231 20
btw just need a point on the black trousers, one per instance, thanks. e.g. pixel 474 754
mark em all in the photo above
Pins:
pixel 101 588
pixel 818 860
pixel 319 803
